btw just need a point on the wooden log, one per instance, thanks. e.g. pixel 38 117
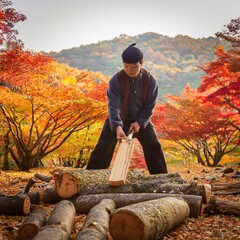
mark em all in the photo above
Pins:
pixel 60 224
pixel 43 178
pixel 152 186
pixel 226 188
pixel 69 182
pixel 30 183
pixel 216 206
pixel 148 220
pixel 32 224
pixel 85 202
pixel 96 225
pixel 47 195
pixel 15 205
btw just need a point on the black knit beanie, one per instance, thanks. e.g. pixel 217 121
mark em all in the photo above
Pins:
pixel 132 54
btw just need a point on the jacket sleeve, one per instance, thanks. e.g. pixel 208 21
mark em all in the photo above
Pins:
pixel 144 116
pixel 114 102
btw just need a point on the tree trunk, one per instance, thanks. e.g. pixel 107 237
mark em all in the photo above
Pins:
pixel 15 205
pixel 148 220
pixel 216 206
pixel 85 202
pixel 96 225
pixel 226 188
pixel 60 224
pixel 69 182
pixel 32 225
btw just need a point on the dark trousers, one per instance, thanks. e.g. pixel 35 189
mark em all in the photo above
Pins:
pixel 102 154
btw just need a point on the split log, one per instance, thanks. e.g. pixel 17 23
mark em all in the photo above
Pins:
pixel 226 188
pixel 15 205
pixel 69 182
pixel 216 206
pixel 85 202
pixel 148 220
pixel 96 225
pixel 32 224
pixel 60 224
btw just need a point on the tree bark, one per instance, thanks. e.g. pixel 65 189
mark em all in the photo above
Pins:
pixel 69 182
pixel 46 196
pixel 15 205
pixel 32 224
pixel 216 206
pixel 226 188
pixel 96 225
pixel 148 220
pixel 60 224
pixel 85 202
pixel 147 187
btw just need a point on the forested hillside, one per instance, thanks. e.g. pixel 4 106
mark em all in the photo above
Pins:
pixel 173 61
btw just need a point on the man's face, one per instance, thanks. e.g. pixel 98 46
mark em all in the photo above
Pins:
pixel 132 69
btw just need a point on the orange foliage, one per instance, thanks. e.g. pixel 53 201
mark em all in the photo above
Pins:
pixel 43 103
pixel 200 127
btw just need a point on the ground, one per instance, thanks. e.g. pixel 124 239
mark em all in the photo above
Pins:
pixel 205 227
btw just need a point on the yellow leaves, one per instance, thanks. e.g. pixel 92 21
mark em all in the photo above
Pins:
pixel 69 81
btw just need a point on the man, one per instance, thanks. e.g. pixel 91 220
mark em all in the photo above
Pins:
pixel 132 95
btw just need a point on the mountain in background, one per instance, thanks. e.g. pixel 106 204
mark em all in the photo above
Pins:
pixel 173 61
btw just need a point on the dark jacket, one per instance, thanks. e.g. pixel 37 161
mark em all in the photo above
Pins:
pixel 137 110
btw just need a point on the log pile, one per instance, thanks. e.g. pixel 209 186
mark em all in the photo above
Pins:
pixel 122 212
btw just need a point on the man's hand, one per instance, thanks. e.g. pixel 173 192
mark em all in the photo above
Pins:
pixel 120 133
pixel 135 127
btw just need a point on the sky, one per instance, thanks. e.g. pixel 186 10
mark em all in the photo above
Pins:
pixel 53 25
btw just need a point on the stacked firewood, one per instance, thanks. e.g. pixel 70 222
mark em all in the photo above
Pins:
pixel 145 207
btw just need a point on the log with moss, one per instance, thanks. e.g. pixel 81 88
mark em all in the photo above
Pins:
pixel 96 225
pixel 152 186
pixel 148 220
pixel 85 202
pixel 69 182
pixel 60 224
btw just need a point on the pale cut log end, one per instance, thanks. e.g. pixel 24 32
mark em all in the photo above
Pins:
pixel 27 205
pixel 66 185
pixel 207 193
pixel 126 225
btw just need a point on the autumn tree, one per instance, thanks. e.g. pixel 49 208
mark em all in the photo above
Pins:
pixel 199 127
pixel 41 107
pixel 8 17
pixel 231 32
